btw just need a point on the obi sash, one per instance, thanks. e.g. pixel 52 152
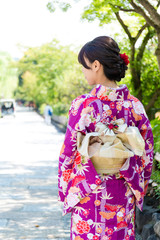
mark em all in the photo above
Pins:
pixel 110 145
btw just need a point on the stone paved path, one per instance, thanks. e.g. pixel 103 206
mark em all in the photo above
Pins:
pixel 28 179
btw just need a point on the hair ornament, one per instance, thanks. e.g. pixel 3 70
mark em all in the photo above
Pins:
pixel 125 58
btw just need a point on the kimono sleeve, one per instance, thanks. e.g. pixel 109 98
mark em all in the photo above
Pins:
pixel 77 177
pixel 67 153
pixel 137 170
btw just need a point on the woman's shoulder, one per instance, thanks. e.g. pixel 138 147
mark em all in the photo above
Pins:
pixel 137 106
pixel 81 102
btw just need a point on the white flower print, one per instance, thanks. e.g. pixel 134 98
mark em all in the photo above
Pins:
pixel 63 184
pixel 120 214
pixel 72 199
pixel 90 221
pixel 129 231
pixel 105 238
pixel 84 121
pixel 90 236
pixel 106 107
pixel 126 104
pixel 93 186
pixel 130 200
pixel 138 107
pixel 62 168
pixel 98 118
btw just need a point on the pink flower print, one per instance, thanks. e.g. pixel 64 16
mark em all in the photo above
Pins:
pixel 112 105
pixel 98 181
pixel 86 212
pixel 110 231
pixel 101 91
pixel 78 158
pixel 104 114
pixel 127 237
pixel 104 97
pixel 112 96
pixel 138 170
pixel 95 237
pixel 83 227
pixel 106 237
pixel 66 175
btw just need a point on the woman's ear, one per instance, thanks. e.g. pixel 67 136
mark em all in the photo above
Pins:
pixel 96 65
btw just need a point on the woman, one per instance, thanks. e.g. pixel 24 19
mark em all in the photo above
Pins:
pixel 106 159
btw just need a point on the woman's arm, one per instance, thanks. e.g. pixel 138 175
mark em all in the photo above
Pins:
pixel 137 170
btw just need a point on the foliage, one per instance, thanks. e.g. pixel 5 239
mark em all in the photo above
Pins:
pixel 156 173
pixel 8 76
pixel 156 130
pixel 41 108
pixel 135 38
pixel 61 109
pixel 156 177
pixel 64 6
pixel 50 74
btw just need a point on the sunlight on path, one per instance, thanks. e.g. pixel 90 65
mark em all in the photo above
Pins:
pixel 28 179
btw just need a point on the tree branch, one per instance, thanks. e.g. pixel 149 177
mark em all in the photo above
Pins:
pixel 140 31
pixel 141 12
pixel 125 27
pixel 143 44
pixel 123 9
pixel 126 10
pixel 151 10
pixel 158 4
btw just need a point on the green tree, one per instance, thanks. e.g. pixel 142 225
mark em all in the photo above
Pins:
pixel 50 73
pixel 8 76
pixel 138 32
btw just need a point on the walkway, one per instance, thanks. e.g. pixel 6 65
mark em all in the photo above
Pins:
pixel 28 179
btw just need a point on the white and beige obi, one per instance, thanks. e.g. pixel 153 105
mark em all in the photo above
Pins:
pixel 110 145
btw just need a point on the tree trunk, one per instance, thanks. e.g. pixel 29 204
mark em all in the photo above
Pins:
pixel 135 74
pixel 157 52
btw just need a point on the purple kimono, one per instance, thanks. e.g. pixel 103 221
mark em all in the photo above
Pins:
pixel 103 206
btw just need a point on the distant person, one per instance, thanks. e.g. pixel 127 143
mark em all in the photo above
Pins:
pixel 48 114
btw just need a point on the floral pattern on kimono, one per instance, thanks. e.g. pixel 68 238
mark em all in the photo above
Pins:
pixel 98 211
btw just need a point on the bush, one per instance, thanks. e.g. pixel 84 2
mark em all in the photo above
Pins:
pixel 41 108
pixel 61 109
pixel 156 170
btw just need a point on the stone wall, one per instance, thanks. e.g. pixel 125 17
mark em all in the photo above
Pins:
pixel 148 221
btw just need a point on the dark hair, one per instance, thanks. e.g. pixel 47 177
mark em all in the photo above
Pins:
pixel 106 51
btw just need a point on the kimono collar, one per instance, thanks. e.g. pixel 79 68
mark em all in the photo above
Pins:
pixel 111 94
